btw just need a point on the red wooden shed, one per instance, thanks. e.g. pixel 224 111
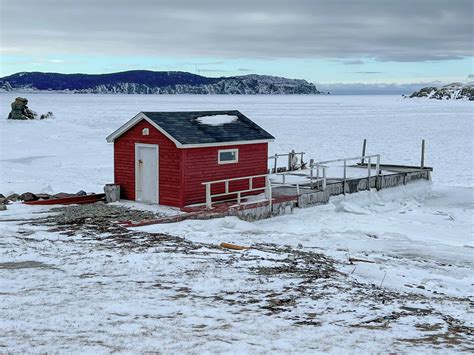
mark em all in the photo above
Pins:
pixel 165 157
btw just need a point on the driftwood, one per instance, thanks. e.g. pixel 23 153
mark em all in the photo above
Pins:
pixel 357 260
pixel 233 246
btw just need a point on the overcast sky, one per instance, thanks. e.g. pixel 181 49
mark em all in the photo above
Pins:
pixel 321 41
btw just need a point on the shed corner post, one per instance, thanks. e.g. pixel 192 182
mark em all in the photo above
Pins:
pixel 183 177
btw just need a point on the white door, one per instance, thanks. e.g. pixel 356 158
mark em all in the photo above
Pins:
pixel 146 172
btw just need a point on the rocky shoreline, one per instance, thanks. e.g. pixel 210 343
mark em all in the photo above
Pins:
pixel 148 82
pixel 453 91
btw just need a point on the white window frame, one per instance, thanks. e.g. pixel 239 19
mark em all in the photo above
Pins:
pixel 234 150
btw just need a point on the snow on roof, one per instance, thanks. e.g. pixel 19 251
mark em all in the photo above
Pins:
pixel 216 120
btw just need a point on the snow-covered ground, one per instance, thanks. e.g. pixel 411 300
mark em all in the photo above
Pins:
pixel 89 293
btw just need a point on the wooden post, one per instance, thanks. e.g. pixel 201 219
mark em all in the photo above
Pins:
pixel 345 177
pixel 378 179
pixel 368 173
pixel 208 196
pixel 290 159
pixel 422 153
pixel 275 165
pixel 268 192
pixel 324 178
pixel 311 162
pixel 363 151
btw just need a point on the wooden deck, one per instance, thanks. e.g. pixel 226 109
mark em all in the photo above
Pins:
pixel 286 198
pixel 352 185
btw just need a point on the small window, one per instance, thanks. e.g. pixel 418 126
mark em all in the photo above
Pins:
pixel 227 156
pixel 145 132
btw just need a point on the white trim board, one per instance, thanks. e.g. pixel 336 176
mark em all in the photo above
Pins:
pixel 141 116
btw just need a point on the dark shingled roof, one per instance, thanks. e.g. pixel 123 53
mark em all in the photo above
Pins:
pixel 186 129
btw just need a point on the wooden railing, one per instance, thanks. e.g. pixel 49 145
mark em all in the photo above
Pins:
pixel 227 192
pixel 362 158
pixel 318 172
pixel 316 178
pixel 289 163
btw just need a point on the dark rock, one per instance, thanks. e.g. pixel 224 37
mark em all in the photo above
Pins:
pixel 425 92
pixel 3 201
pixel 13 197
pixel 28 196
pixel 49 114
pixel 3 207
pixel 43 196
pixel 81 193
pixel 453 91
pixel 2 196
pixel 20 110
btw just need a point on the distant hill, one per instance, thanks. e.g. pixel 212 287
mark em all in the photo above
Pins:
pixel 153 82
pixel 453 91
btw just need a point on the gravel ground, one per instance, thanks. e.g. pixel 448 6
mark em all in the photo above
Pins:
pixel 124 280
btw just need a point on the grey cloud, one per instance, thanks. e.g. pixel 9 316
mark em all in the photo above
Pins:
pixel 422 30
pixel 353 62
pixel 216 62
pixel 244 70
pixel 470 76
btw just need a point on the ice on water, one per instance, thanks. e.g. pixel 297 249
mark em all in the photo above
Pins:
pixel 89 298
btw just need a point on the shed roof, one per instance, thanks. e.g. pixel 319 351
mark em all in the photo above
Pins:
pixel 197 128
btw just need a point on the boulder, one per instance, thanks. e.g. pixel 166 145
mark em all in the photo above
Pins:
pixel 3 207
pixel 2 196
pixel 49 114
pixel 20 110
pixel 3 201
pixel 81 193
pixel 28 196
pixel 43 196
pixel 13 197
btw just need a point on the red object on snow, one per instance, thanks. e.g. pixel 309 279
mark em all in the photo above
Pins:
pixel 74 200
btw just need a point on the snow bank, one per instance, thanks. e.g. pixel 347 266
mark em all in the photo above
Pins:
pixel 414 233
